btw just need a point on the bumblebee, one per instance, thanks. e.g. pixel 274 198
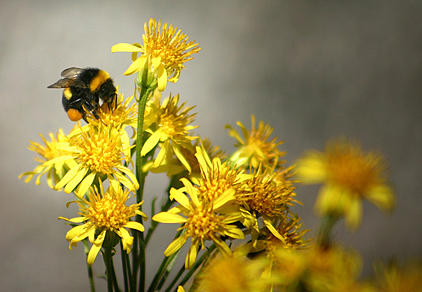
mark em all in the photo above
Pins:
pixel 83 90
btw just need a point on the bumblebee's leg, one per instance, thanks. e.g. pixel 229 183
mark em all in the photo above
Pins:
pixel 91 108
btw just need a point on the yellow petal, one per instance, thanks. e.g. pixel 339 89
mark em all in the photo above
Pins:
pixel 136 66
pixel 181 157
pixel 233 133
pixel 192 254
pixel 96 247
pixel 151 142
pixel 71 185
pixel 224 198
pixel 85 184
pixel 175 245
pixel 312 168
pixel 130 174
pixel 125 47
pixel 329 200
pixel 79 232
pixel 68 177
pixel 233 232
pixel 180 197
pixel 162 78
pixel 222 247
pixel 127 240
pixel 135 225
pixel 126 182
pixel 74 220
pixel 271 228
pixel 382 196
pixel 191 191
pixel 165 217
pixel 58 159
pixel 354 214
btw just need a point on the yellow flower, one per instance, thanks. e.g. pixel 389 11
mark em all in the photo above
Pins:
pixel 232 274
pixel 203 221
pixel 332 269
pixel 286 268
pixel 104 215
pixel 217 178
pixel 254 149
pixel 99 153
pixel 170 127
pixel 349 175
pixel 120 117
pixel 393 277
pixel 164 52
pixel 269 196
pixel 55 171
pixel 288 227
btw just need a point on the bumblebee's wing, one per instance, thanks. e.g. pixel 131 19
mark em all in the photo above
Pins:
pixel 62 83
pixel 71 72
pixel 67 82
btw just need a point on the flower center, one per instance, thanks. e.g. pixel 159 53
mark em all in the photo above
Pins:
pixel 173 120
pixel 267 197
pixel 202 223
pixel 109 213
pixel 168 126
pixel 100 151
pixel 355 172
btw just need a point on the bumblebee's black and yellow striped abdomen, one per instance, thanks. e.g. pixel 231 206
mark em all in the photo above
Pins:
pixel 83 90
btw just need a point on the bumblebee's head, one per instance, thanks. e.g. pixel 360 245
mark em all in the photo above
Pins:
pixel 107 92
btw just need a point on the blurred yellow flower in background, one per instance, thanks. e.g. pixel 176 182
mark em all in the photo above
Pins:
pixel 349 175
pixel 392 277
pixel 232 274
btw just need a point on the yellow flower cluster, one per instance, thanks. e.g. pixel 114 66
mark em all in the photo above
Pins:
pixel 229 200
pixel 81 161
pixel 239 204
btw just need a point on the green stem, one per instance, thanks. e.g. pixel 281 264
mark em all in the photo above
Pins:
pixel 139 260
pixel 324 234
pixel 108 261
pixel 177 277
pixel 127 275
pixel 90 273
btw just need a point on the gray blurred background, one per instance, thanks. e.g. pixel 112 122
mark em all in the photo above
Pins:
pixel 312 69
